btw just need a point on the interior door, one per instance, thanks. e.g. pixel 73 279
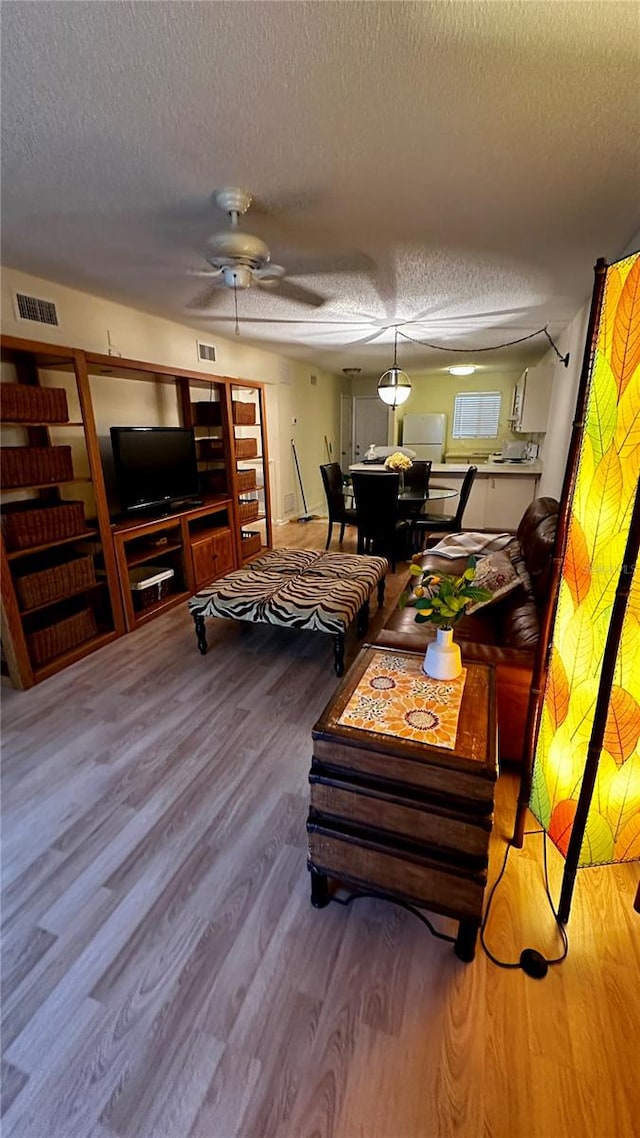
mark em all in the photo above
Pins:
pixel 346 432
pixel 370 424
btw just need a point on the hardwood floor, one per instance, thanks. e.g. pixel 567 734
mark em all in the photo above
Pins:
pixel 165 976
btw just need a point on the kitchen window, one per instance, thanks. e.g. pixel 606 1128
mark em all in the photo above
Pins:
pixel 476 414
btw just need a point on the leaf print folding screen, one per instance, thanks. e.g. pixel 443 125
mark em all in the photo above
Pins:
pixel 587 762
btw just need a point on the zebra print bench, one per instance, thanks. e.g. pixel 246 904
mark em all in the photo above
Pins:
pixel 296 588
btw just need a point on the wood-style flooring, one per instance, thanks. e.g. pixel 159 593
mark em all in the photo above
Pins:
pixel 165 976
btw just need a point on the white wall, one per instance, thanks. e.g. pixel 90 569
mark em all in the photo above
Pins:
pixel 93 323
pixel 564 394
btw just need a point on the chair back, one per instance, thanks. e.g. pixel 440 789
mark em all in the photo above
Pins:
pixel 376 497
pixel 465 491
pixel 417 477
pixel 332 482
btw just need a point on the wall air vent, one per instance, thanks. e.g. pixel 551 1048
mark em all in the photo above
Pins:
pixel 313 380
pixel 206 352
pixel 36 309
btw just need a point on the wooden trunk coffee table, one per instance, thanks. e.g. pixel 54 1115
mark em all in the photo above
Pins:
pixel 404 818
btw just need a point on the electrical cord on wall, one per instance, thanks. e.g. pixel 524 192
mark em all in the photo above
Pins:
pixel 532 962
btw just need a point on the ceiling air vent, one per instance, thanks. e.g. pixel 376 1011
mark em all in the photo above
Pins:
pixel 206 352
pixel 36 309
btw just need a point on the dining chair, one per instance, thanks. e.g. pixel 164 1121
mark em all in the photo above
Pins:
pixel 380 529
pixel 339 513
pixel 424 524
pixel 417 476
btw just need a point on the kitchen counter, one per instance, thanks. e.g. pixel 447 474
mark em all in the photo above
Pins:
pixel 532 469
pixel 499 496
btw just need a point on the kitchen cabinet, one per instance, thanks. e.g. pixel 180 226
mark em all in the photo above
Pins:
pixel 506 499
pixel 531 398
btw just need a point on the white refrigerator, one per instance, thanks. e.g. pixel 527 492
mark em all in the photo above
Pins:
pixel 426 435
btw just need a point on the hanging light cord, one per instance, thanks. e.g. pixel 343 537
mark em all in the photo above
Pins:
pixel 493 348
pixel 563 932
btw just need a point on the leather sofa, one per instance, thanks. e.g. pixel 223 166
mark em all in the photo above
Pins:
pixel 503 633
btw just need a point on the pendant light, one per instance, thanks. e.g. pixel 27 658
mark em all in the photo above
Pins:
pixel 394 386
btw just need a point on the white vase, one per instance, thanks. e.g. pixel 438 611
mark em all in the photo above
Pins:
pixel 442 659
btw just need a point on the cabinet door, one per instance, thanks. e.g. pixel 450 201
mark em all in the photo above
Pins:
pixel 475 512
pixel 212 557
pixel 508 498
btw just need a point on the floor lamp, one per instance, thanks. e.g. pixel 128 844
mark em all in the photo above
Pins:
pixel 581 774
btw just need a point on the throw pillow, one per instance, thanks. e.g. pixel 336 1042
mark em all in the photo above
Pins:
pixel 497 574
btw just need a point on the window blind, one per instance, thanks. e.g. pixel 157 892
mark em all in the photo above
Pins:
pixel 476 414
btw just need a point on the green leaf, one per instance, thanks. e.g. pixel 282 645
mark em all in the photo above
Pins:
pixel 415 570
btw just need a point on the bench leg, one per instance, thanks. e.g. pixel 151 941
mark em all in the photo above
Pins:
pixel 201 632
pixel 363 618
pixel 338 653
pixel 381 585
pixel 465 945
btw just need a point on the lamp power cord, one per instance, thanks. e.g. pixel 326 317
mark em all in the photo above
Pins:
pixel 532 962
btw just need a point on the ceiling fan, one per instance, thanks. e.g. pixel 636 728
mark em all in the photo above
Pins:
pixel 240 260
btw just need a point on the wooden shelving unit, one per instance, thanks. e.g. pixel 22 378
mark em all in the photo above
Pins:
pixel 202 542
pixel 67 620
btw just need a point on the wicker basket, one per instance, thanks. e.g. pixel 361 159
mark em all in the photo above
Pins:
pixel 23 403
pixel 35 466
pixel 244 414
pixel 51 584
pixel 210 449
pixel 248 511
pixel 246 480
pixel 61 637
pixel 251 543
pixel 207 414
pixel 246 448
pixel 26 524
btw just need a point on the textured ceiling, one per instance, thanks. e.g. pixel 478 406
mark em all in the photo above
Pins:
pixel 478 157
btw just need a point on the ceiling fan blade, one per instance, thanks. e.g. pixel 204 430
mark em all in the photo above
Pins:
pixel 290 291
pixel 335 263
pixel 204 272
pixel 269 273
pixel 205 298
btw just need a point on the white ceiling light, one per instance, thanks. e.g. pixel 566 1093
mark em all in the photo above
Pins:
pixel 394 385
pixel 462 369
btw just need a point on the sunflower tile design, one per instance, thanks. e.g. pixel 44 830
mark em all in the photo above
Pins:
pixel 394 697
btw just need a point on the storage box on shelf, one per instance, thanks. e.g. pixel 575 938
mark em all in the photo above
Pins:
pixel 35 466
pixel 52 584
pixel 250 446
pixel 22 403
pixel 149 585
pixel 54 609
pixel 251 543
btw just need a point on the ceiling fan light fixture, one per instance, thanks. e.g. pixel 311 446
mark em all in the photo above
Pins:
pixel 237 276
pixel 394 385
pixel 462 369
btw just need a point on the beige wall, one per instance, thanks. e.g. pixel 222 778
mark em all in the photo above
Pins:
pixel 564 394
pixel 434 391
pixel 93 323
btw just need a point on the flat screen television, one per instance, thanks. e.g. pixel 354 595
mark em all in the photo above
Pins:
pixel 155 467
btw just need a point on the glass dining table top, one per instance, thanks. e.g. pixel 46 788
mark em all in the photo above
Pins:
pixel 433 494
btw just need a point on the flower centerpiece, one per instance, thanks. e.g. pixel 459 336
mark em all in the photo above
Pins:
pixel 442 599
pixel 398 462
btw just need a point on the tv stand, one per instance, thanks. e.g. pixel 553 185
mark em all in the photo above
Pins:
pixel 196 541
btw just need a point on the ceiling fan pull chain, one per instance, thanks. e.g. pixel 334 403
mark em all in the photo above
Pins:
pixel 235 301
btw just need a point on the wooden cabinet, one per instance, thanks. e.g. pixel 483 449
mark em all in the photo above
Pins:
pixel 402 817
pixel 60 596
pixel 196 545
pixel 212 549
